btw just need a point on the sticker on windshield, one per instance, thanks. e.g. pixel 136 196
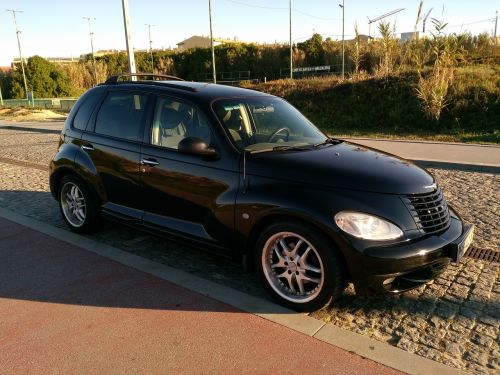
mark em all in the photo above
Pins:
pixel 268 109
pixel 231 107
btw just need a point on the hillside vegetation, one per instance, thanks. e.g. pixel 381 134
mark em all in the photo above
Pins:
pixel 389 106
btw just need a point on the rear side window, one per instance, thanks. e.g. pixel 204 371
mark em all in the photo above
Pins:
pixel 90 100
pixel 121 115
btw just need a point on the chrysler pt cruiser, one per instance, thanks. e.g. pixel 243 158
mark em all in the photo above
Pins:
pixel 246 174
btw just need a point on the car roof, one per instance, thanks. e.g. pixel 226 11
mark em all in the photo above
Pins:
pixel 202 90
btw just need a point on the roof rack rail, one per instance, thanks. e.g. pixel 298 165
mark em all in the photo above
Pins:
pixel 115 78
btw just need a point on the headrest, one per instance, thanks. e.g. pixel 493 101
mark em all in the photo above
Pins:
pixel 170 118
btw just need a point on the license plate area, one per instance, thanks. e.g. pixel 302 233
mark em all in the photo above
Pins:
pixel 460 246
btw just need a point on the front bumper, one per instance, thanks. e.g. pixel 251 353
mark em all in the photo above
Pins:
pixel 405 266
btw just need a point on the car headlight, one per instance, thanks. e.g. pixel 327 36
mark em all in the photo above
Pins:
pixel 366 226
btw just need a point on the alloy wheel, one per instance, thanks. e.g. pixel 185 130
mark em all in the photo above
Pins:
pixel 293 267
pixel 73 204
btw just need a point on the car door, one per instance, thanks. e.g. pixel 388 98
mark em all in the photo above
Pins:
pixel 113 143
pixel 186 194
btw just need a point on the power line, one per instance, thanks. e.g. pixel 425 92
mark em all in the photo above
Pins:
pixel 472 23
pixel 282 8
pixel 255 6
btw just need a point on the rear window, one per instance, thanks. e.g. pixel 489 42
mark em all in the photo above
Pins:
pixel 121 115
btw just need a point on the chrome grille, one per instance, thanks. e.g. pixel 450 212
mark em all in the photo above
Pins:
pixel 429 210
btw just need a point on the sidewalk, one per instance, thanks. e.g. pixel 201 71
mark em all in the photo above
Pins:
pixel 463 156
pixel 67 310
pixel 446 154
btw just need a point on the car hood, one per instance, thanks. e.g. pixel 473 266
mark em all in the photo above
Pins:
pixel 346 166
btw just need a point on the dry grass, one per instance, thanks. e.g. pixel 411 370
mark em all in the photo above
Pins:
pixel 21 114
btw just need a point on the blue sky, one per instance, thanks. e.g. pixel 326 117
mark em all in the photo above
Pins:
pixel 56 27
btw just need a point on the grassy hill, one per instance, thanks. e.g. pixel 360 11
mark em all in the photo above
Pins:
pixel 389 107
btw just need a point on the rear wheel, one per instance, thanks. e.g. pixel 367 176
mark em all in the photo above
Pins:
pixel 299 266
pixel 77 205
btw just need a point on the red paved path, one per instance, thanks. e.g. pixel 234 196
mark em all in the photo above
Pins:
pixel 65 310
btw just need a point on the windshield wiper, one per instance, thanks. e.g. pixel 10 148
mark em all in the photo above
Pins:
pixel 329 141
pixel 292 148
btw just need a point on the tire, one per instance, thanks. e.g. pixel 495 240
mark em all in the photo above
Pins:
pixel 77 204
pixel 307 258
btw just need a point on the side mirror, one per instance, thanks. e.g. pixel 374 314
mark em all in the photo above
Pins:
pixel 197 146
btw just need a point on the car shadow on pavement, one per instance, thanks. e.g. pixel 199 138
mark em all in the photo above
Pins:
pixel 36 267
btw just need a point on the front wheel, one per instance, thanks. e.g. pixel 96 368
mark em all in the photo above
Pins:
pixel 299 266
pixel 77 205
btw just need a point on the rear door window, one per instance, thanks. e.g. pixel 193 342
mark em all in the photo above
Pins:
pixel 121 115
pixel 90 100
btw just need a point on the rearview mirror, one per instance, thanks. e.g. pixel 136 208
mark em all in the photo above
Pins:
pixel 197 146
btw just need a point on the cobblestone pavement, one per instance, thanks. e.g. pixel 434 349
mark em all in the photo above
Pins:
pixel 454 320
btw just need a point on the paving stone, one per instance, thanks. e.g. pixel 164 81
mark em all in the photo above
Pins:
pixel 431 341
pixel 408 345
pixel 473 368
pixel 481 339
pixel 487 330
pixel 469 313
pixel 430 353
pixel 446 310
pixel 454 337
pixel 489 320
pixel 477 356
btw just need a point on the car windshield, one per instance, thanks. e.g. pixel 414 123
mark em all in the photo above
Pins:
pixel 266 124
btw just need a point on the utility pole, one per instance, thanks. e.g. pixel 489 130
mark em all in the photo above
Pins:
pixel 214 74
pixel 92 47
pixel 130 48
pixel 496 23
pixel 291 48
pixel 343 41
pixel 151 47
pixel 19 46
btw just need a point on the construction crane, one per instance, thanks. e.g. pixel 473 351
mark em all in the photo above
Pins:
pixel 370 21
pixel 425 19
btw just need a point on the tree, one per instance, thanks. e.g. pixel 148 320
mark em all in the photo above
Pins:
pixel 44 79
pixel 313 49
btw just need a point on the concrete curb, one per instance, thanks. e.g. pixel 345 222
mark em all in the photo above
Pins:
pixel 418 141
pixel 366 347
pixel 442 164
pixel 26 129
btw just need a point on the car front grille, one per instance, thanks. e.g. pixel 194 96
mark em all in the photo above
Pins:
pixel 429 210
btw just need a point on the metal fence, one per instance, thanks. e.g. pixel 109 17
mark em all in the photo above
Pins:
pixel 62 104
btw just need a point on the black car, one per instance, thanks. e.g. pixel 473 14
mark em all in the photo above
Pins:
pixel 245 173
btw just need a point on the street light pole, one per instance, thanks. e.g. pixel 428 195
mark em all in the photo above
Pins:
pixel 151 47
pixel 291 50
pixel 343 41
pixel 92 47
pixel 19 46
pixel 130 49
pixel 214 74
pixel 496 23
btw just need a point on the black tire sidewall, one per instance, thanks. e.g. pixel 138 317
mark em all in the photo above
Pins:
pixel 91 216
pixel 334 273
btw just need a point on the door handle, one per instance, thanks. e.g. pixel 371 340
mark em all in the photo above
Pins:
pixel 88 147
pixel 149 162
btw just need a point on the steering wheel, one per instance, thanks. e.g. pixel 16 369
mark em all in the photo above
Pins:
pixel 275 134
